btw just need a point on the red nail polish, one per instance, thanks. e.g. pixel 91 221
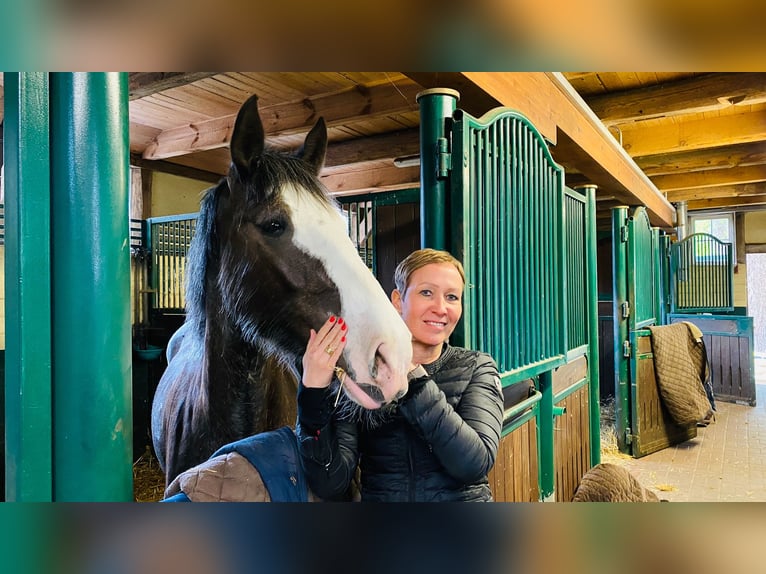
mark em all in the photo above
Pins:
pixel 343 328
pixel 332 318
pixel 340 321
pixel 343 339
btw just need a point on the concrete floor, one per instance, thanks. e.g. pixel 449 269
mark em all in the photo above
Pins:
pixel 725 462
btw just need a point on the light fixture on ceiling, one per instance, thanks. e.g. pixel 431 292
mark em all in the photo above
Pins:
pixel 407 161
pixel 732 100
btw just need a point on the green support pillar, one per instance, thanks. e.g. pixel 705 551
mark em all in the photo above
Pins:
pixel 547 470
pixel 436 106
pixel 591 249
pixel 620 298
pixel 28 457
pixel 91 287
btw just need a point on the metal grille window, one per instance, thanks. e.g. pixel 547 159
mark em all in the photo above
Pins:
pixel 170 239
pixel 360 218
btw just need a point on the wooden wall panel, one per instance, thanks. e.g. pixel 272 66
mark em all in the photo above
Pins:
pixel 514 478
pixel 653 428
pixel 571 434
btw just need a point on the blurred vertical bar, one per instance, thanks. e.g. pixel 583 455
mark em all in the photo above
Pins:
pixel 28 407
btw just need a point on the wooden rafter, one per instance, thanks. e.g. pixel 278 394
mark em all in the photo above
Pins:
pixel 141 84
pixel 174 169
pixel 687 96
pixel 737 155
pixel 695 134
pixel 384 146
pixel 710 178
pixel 379 179
pixel 339 108
pixel 721 191
pixel 726 202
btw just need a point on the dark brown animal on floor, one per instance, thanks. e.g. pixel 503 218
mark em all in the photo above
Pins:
pixel 607 482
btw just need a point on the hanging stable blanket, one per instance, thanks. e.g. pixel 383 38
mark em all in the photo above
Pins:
pixel 681 370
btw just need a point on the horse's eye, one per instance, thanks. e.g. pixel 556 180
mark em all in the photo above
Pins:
pixel 273 227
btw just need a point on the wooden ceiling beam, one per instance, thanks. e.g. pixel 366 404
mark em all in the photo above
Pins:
pixel 366 181
pixel 142 84
pixel 346 156
pixel 384 146
pixel 726 202
pixel 737 155
pixel 709 178
pixel 562 116
pixel 696 134
pixel 721 191
pixel 339 108
pixel 174 169
pixel 687 96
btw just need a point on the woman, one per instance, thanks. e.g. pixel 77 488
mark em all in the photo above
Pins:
pixel 439 441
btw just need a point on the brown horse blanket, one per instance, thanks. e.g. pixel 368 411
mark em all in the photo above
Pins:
pixel 260 468
pixel 681 369
pixel 607 482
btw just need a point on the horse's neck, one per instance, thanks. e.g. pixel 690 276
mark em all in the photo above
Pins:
pixel 244 380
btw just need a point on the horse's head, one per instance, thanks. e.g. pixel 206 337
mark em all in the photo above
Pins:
pixel 286 263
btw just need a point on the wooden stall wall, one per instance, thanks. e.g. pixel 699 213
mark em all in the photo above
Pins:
pixel 571 427
pixel 729 343
pixel 514 477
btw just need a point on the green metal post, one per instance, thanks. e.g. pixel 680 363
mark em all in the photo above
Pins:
pixel 91 287
pixel 664 277
pixel 547 470
pixel 28 449
pixel 620 298
pixel 657 264
pixel 591 251
pixel 436 106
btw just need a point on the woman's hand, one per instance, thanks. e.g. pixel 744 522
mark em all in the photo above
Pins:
pixel 322 353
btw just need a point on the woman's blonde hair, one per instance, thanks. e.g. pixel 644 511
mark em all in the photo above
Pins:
pixel 421 258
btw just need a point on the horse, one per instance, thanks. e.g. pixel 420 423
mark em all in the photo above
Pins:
pixel 270 259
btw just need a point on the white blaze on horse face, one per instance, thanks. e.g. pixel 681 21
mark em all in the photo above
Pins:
pixel 374 326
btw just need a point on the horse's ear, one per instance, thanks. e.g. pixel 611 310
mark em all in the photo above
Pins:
pixel 315 146
pixel 247 141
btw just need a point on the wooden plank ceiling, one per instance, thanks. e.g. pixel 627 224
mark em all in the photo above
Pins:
pixel 691 136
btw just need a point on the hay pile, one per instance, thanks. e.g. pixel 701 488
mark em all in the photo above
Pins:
pixel 148 478
pixel 609 449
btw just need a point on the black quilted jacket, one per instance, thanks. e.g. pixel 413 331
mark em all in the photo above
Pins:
pixel 437 444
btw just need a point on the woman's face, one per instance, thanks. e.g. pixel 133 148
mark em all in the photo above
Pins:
pixel 432 303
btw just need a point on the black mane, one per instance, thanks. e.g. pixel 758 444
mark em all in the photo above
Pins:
pixel 275 170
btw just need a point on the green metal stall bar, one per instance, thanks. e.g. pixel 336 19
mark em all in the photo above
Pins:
pixel 621 311
pixel 593 346
pixel 436 108
pixel 86 312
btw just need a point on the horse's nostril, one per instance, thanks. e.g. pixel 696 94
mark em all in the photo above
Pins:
pixel 376 364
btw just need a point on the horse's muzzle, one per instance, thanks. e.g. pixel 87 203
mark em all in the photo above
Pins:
pixel 375 393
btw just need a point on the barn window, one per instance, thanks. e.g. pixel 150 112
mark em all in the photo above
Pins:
pixel 719 225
